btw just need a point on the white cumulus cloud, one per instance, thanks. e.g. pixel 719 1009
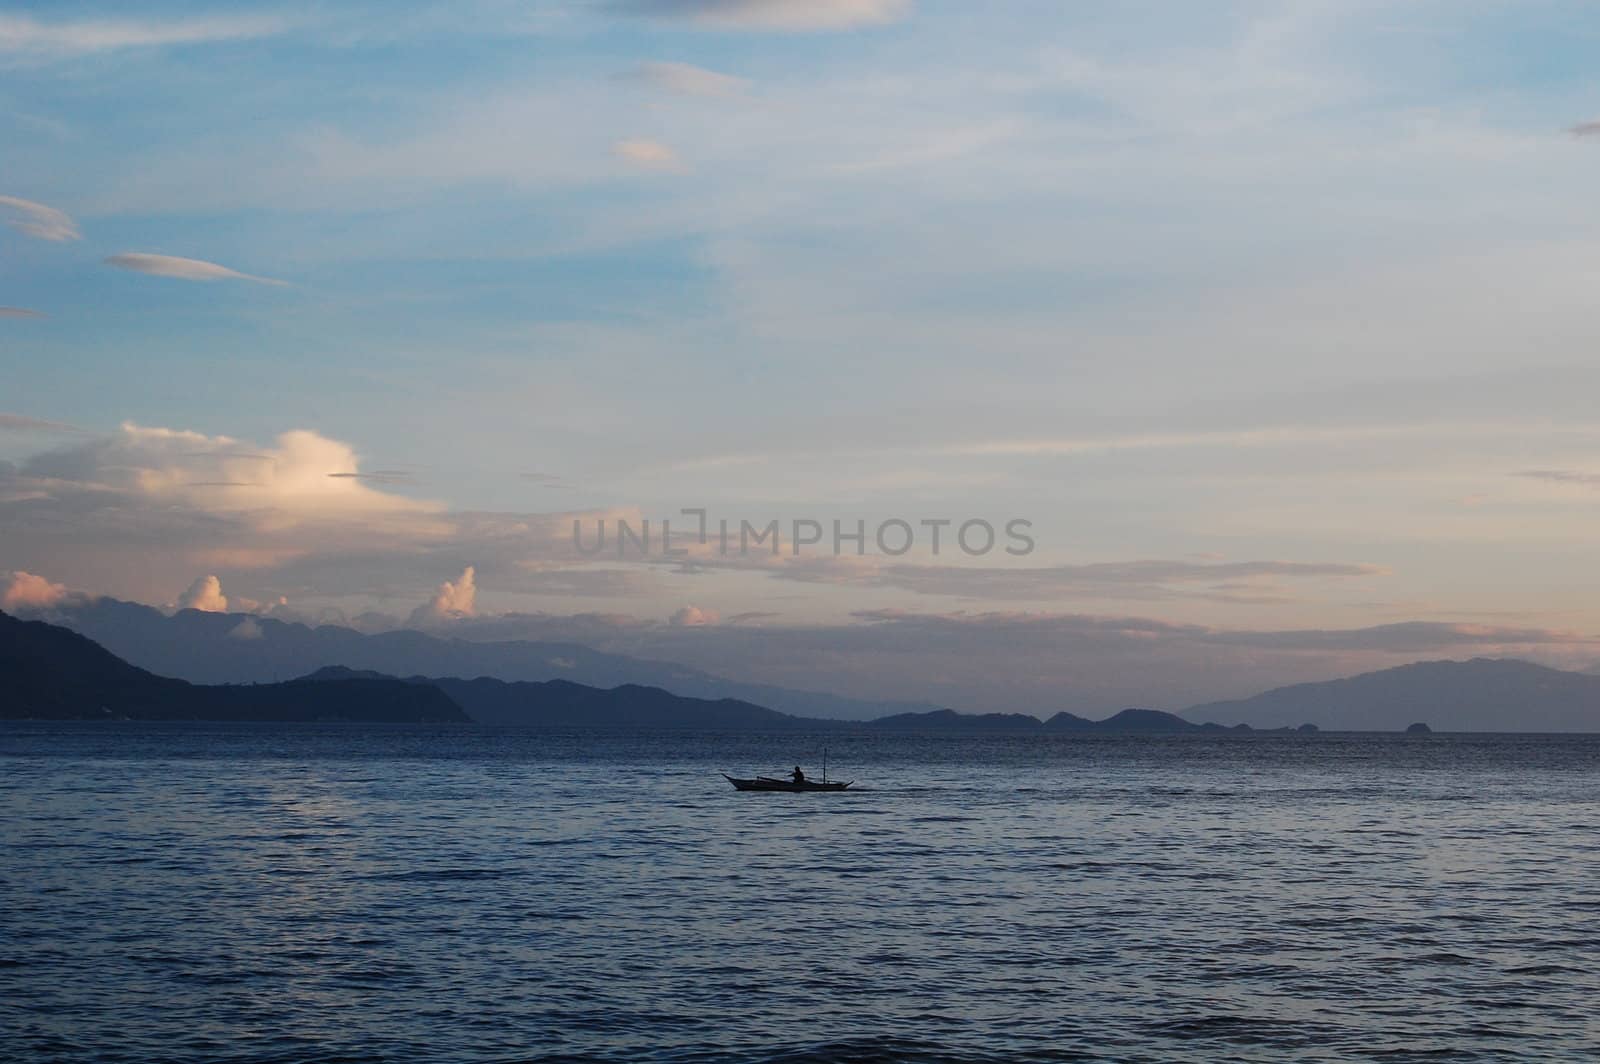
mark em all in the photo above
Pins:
pixel 205 595
pixel 694 617
pixel 454 600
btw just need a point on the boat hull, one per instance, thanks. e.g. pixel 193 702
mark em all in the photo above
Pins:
pixel 765 783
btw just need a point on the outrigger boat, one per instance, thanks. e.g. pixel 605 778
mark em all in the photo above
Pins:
pixel 793 786
pixel 767 783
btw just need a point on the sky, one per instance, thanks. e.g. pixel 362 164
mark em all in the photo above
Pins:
pixel 1272 321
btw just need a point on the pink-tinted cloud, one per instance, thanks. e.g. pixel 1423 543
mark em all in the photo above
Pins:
pixel 29 591
pixel 647 154
pixel 784 15
pixel 205 595
pixel 454 600
pixel 694 617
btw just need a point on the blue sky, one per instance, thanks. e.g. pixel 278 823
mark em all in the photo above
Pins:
pixel 1307 284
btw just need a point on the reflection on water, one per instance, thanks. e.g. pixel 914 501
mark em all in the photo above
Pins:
pixel 269 893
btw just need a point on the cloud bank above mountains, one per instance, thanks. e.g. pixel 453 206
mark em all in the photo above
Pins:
pixel 978 662
pixel 298 525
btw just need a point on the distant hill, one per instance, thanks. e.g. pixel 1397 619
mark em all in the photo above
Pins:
pixel 1484 694
pixel 48 672
pixel 1132 720
pixel 1128 720
pixel 950 720
pixel 560 703
pixel 240 648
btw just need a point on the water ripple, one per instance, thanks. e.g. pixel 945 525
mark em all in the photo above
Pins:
pixel 255 894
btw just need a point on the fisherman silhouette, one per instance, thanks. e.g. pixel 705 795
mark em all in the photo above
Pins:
pixel 799 777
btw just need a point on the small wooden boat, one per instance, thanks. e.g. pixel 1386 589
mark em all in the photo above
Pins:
pixel 767 783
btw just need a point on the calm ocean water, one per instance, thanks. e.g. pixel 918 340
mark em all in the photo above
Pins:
pixel 310 893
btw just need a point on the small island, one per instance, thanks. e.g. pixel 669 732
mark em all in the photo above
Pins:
pixel 1419 728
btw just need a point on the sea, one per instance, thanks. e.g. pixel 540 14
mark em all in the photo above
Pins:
pixel 337 893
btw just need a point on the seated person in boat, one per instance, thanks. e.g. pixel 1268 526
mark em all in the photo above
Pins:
pixel 799 777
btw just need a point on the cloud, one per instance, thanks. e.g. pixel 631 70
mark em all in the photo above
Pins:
pixel 37 220
pixel 247 629
pixel 1408 637
pixel 1232 581
pixel 1242 583
pixel 215 474
pixel 1036 662
pixel 181 268
pixel 378 476
pixel 20 312
pixel 1562 476
pixel 694 617
pixel 791 15
pixel 549 481
pixel 544 577
pixel 753 617
pixel 147 507
pixel 648 154
pixel 454 600
pixel 1586 129
pixel 21 35
pixel 686 79
pixel 205 595
pixel 1266 437
pixel 24 423
pixel 25 591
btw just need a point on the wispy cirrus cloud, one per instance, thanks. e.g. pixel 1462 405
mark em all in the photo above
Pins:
pixel 548 480
pixel 790 15
pixel 647 154
pixel 21 312
pixel 378 476
pixel 24 423
pixel 37 219
pixel 1239 582
pixel 182 269
pixel 1562 476
pixel 24 35
pixel 686 79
